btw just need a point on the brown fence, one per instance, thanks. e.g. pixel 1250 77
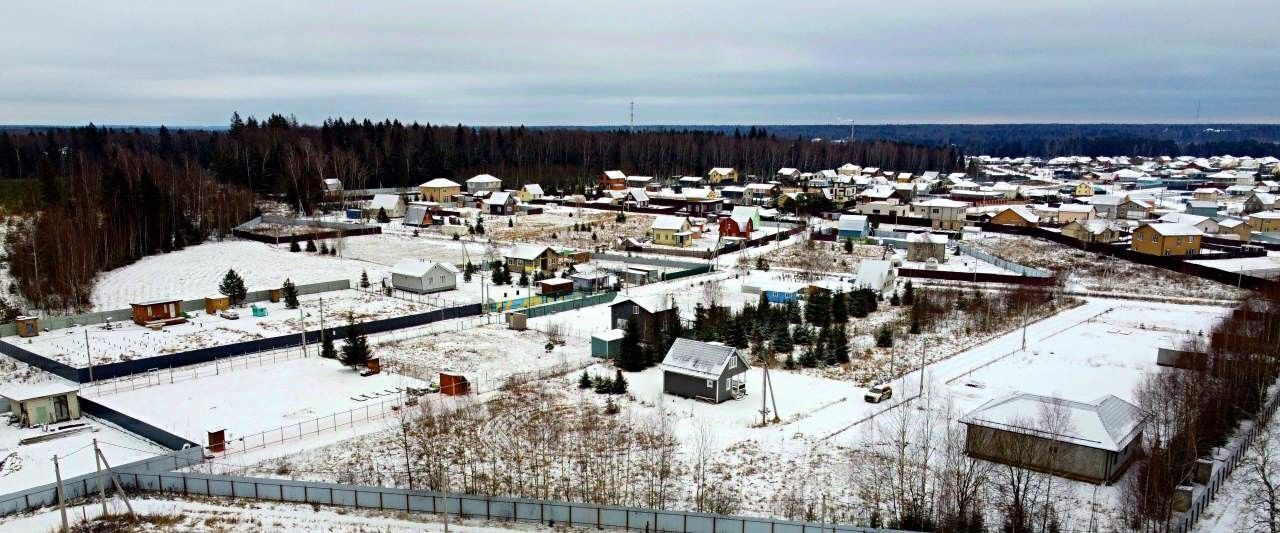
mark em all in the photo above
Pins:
pixel 303 237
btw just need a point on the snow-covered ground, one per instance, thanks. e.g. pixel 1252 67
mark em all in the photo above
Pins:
pixel 196 271
pixel 125 340
pixel 1267 266
pixel 251 400
pixel 31 465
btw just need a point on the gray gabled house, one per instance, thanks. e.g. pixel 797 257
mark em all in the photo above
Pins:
pixel 1087 441
pixel 707 371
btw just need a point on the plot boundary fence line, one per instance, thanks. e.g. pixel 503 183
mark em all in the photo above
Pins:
pixel 492 508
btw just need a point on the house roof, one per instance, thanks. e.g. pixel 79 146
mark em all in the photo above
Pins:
pixel 615 175
pixel 1076 208
pixel 788 171
pixel 852 222
pixel 762 186
pixel 440 182
pixel 649 302
pixel 1265 198
pixel 418 267
pixel 698 359
pixel 27 391
pixel 332 184
pixel 498 198
pixel 556 281
pixel 638 194
pixel 1023 213
pixel 927 236
pixel 669 222
pixel 1266 215
pixel 527 252
pixel 941 202
pixel 158 302
pixel 1172 229
pixel 1185 218
pixel 484 178
pixel 873 273
pixel 533 188
pixel 385 201
pixel 1107 423
pixel 721 170
pixel 610 335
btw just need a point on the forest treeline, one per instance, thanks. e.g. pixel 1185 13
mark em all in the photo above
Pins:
pixel 1053 140
pixel 108 196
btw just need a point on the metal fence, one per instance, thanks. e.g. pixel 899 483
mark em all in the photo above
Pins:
pixel 1223 465
pixel 314 426
pixel 135 426
pixel 568 305
pixel 462 506
pixel 117 315
pixel 214 353
pixel 86 485
pixel 1001 262
pixel 161 376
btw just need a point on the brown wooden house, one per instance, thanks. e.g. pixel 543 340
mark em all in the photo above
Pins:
pixel 156 310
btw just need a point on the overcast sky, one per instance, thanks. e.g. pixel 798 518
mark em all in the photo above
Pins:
pixel 681 62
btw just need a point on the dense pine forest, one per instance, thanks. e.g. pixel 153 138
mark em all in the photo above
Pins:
pixel 100 198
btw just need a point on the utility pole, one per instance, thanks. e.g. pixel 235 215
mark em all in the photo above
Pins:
pixel 102 483
pixel 631 127
pixel 87 352
pixel 924 347
pixel 116 482
pixel 1024 328
pixel 62 505
pixel 302 329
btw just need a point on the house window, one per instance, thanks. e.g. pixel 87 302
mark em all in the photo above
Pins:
pixel 733 362
pixel 711 383
pixel 1155 238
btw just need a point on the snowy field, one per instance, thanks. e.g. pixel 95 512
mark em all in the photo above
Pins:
pixel 31 465
pixel 1101 347
pixel 252 400
pixel 196 271
pixel 125 341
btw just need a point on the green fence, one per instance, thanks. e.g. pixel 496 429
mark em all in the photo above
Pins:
pixel 569 305
pixel 677 274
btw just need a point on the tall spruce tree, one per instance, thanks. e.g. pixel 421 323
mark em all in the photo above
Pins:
pixel 355 353
pixel 290 294
pixel 233 287
pixel 839 308
pixel 631 356
pixel 327 350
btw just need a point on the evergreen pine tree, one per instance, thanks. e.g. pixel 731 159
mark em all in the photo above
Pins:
pixel 894 300
pixel 364 279
pixel 803 334
pixel 290 294
pixel 790 362
pixel 466 274
pixel 848 246
pixel 839 346
pixel 511 223
pixel 327 350
pixel 884 339
pixel 584 381
pixel 781 341
pixel 839 308
pixel 793 312
pixel 908 294
pixel 817 309
pixel 604 386
pixel 619 383
pixel 293 247
pixel 232 287
pixel 355 353
pixel 324 248
pixel 382 216
pixel 735 333
pixel 915 325
pixel 311 245
pixel 524 279
pixel 631 355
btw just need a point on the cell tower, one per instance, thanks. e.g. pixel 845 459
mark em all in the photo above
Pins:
pixel 631 127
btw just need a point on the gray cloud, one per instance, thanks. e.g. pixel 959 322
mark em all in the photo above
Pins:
pixel 503 62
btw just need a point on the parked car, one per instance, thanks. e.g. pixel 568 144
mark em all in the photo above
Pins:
pixel 879 393
pixel 229 315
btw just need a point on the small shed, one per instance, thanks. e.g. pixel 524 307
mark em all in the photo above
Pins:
pixel 28 326
pixel 607 344
pixel 454 384
pixel 393 204
pixel 707 371
pixel 422 277
pixel 213 304
pixel 156 310
pixel 555 287
pixel 590 281
pixel 922 246
pixel 42 403
pixel 852 227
